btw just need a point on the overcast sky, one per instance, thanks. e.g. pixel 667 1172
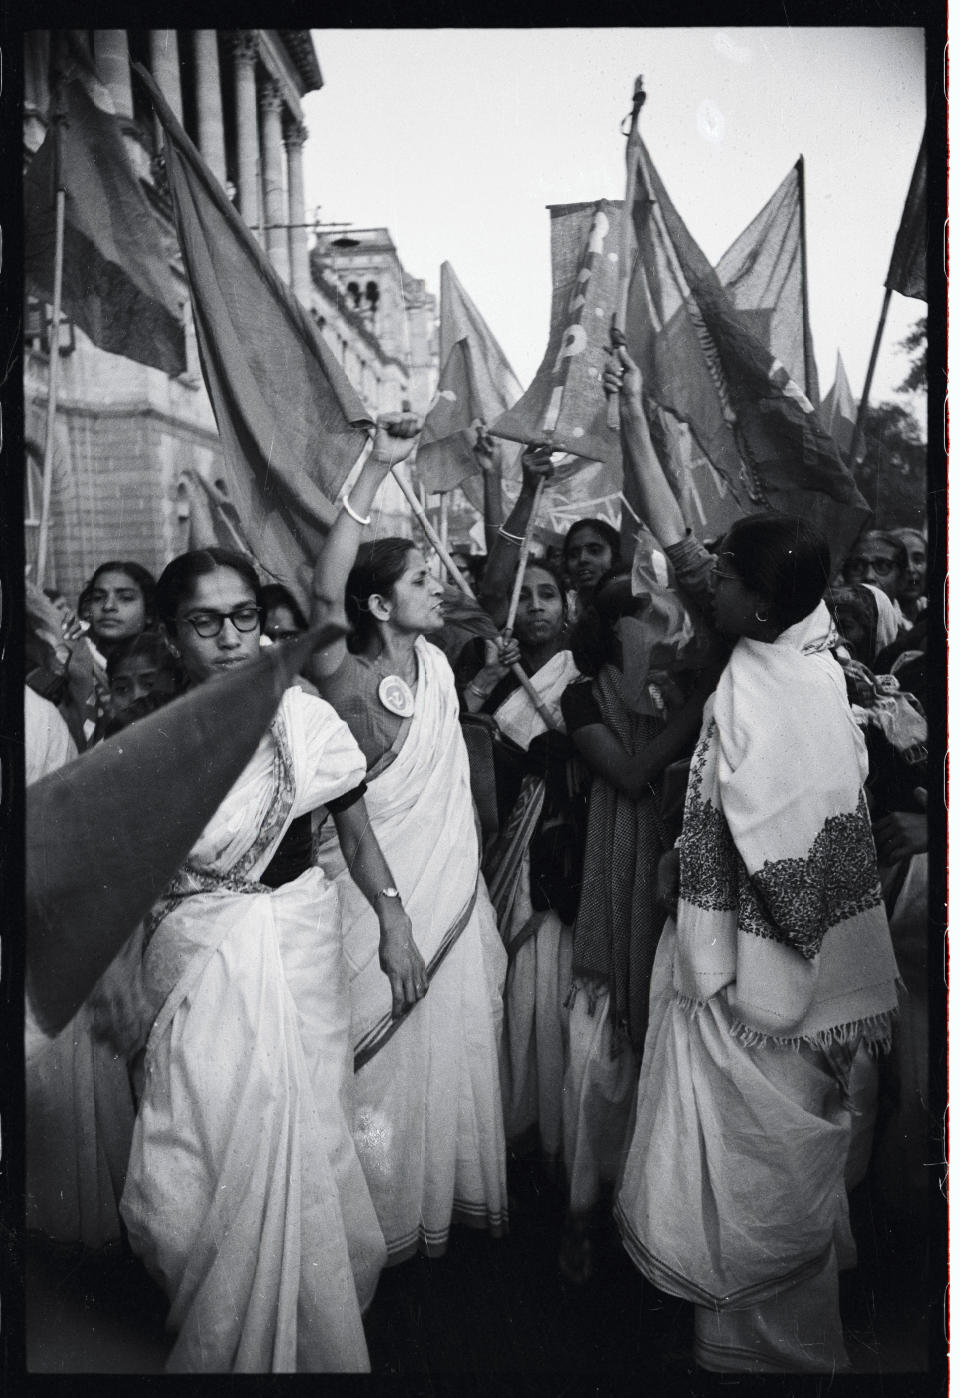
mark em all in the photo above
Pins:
pixel 458 139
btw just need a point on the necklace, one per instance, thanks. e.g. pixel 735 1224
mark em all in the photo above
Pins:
pixel 395 695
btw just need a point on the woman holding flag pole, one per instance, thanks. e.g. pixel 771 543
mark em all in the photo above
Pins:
pixel 775 968
pixel 429 1120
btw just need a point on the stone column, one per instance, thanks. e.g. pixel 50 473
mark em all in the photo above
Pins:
pixel 209 102
pixel 294 136
pixel 248 150
pixel 274 206
pixel 113 64
pixel 165 66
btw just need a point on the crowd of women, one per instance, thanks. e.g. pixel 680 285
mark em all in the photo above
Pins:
pixel 662 959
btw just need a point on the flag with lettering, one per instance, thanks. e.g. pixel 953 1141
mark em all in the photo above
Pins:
pixel 117 282
pixel 291 425
pixel 476 385
pixel 565 404
pixel 704 365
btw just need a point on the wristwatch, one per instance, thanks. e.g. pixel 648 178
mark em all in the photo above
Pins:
pixel 388 892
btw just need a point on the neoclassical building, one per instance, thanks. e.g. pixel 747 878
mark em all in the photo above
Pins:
pixel 136 453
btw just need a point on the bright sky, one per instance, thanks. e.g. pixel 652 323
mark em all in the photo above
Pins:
pixel 457 139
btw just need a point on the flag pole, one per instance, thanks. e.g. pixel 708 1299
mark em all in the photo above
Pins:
pixel 804 284
pixel 865 398
pixel 61 199
pixel 434 539
pixel 619 318
pixel 524 555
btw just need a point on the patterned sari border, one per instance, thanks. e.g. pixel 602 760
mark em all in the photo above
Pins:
pixel 379 1034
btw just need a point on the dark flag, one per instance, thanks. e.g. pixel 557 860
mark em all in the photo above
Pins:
pixel 290 423
pixel 704 365
pixel 118 284
pixel 764 274
pixel 908 264
pixel 106 833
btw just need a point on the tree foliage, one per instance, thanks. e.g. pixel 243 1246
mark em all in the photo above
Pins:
pixel 892 474
pixel 914 343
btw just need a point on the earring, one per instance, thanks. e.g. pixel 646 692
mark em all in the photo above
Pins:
pixel 173 650
pixel 762 619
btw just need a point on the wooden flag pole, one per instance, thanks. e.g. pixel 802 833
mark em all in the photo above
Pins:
pixel 524 555
pixel 444 519
pixel 434 539
pixel 51 389
pixel 619 318
pixel 865 396
pixel 428 529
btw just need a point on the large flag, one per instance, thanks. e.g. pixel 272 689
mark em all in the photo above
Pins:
pixel 908 263
pixel 290 423
pixel 704 365
pixel 106 833
pixel 476 386
pixel 838 411
pixel 764 274
pixel 565 404
pixel 118 284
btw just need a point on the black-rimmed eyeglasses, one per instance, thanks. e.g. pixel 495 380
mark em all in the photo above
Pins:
pixel 210 624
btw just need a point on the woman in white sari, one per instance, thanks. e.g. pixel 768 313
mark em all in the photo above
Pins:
pixel 243 1194
pixel 429 1123
pixel 777 967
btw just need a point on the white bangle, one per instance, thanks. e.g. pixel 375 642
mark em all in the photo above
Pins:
pixel 513 538
pixel 352 512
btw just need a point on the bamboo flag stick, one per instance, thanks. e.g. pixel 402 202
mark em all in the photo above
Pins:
pixel 431 533
pixel 868 383
pixel 51 388
pixel 619 318
pixel 524 555
pixel 434 539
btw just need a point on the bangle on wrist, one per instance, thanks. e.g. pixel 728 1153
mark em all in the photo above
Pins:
pixel 480 693
pixel 352 512
pixel 511 538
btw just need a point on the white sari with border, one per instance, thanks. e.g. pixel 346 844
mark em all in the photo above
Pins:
pixel 429 1119
pixel 779 967
pixel 243 1195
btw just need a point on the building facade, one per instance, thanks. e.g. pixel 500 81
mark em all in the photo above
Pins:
pixel 137 460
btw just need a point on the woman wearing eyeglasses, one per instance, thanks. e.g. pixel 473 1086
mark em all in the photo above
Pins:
pixel 243 1193
pixel 775 969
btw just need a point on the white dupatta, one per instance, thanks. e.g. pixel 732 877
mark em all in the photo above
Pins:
pixel 780 902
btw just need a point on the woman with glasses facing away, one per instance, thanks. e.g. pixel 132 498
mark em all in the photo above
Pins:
pixel 243 1194
pixel 776 967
